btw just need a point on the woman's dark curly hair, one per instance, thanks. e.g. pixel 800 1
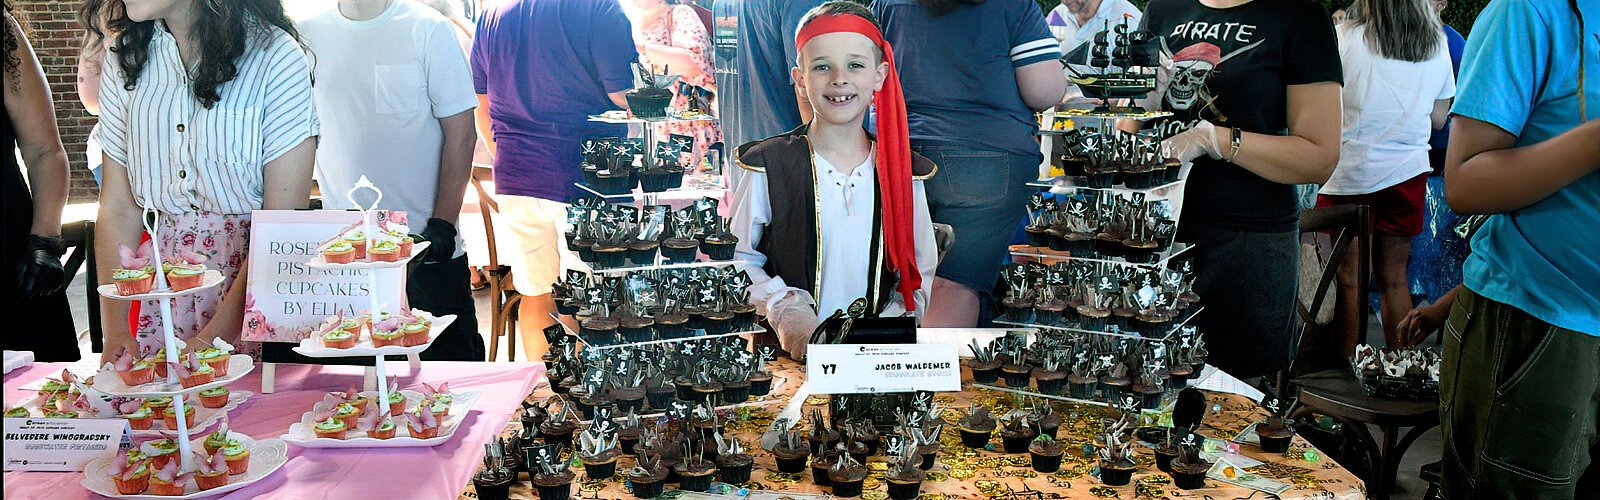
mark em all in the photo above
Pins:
pixel 222 29
pixel 11 41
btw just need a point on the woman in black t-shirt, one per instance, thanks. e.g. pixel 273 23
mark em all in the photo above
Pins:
pixel 1254 89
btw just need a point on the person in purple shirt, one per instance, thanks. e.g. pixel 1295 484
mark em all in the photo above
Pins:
pixel 541 68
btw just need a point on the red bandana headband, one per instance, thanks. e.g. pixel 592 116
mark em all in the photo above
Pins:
pixel 894 151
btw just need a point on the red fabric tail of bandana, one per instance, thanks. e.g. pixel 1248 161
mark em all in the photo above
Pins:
pixel 894 152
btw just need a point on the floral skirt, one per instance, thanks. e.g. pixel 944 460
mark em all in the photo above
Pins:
pixel 224 241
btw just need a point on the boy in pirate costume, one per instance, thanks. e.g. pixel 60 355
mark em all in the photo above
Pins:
pixel 831 213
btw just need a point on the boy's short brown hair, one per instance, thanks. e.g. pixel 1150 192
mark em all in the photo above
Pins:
pixel 841 7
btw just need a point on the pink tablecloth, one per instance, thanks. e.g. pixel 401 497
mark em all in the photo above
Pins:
pixel 421 473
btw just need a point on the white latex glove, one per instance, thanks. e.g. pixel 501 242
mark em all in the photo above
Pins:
pixel 794 315
pixel 1152 100
pixel 1201 139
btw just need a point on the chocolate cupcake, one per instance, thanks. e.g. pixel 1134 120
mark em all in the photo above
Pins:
pixel 557 486
pixel 1016 434
pixel 694 473
pixel 905 483
pixel 599 331
pixel 629 398
pixel 821 465
pixel 643 252
pixel 672 325
pixel 609 255
pixel 733 464
pixel 719 246
pixel 1045 454
pixel 1049 377
pixel 637 329
pixel 847 476
pixel 648 480
pixel 760 383
pixel 735 391
pixel 791 452
pixel 976 426
pixel 680 250
pixel 1016 374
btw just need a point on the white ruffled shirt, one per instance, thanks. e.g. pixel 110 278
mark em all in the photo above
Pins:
pixel 847 209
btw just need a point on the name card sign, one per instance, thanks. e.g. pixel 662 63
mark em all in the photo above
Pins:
pixel 285 298
pixel 874 368
pixel 60 444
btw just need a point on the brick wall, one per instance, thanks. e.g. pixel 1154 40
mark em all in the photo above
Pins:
pixel 55 35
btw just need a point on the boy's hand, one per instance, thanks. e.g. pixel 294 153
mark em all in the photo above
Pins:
pixel 795 319
pixel 1420 323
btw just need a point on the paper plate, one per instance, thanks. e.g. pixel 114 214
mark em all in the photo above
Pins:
pixel 300 433
pixel 266 457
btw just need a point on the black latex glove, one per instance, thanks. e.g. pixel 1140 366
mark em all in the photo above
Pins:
pixel 441 237
pixel 39 272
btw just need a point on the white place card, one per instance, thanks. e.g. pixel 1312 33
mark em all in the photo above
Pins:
pixel 60 444
pixel 870 368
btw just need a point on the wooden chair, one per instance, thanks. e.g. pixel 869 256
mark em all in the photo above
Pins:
pixel 79 237
pixel 1335 392
pixel 504 300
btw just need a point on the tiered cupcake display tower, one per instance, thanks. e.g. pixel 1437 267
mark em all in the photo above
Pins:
pixel 265 457
pixel 1101 283
pixel 652 274
pixel 369 335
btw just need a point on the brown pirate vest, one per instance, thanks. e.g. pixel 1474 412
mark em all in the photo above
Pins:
pixel 791 242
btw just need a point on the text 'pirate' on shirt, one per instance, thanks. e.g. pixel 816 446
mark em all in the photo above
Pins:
pixel 1232 67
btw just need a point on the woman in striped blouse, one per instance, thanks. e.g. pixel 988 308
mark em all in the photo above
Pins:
pixel 206 114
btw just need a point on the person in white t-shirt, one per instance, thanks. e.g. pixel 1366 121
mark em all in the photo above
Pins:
pixel 1076 21
pixel 1398 87
pixel 395 99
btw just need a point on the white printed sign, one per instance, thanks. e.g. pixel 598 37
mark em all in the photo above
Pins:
pixel 60 444
pixel 870 368
pixel 285 298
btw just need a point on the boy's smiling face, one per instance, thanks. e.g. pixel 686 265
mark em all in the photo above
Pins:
pixel 838 74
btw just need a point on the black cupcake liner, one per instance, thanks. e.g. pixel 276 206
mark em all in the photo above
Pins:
pixel 904 491
pixel 1045 463
pixel 972 439
pixel 847 489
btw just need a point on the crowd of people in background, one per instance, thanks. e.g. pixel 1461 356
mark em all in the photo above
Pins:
pixel 210 109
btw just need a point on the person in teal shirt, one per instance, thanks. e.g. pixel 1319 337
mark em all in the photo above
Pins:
pixel 1520 381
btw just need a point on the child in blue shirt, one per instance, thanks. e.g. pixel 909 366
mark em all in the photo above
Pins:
pixel 1521 372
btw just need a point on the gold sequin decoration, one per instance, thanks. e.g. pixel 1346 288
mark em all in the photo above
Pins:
pixel 1104 492
pixel 936 476
pixel 1070 472
pixel 963 472
pixel 1022 473
pixel 991 462
pixel 1019 461
pixel 871 483
pixel 877 466
pixel 874 495
pixel 951 460
pixel 592 486
pixel 784 478
pixel 1143 490
pixel 990 488
pixel 933 496
pixel 1159 479
pixel 1144 461
pixel 816 400
pixel 1306 481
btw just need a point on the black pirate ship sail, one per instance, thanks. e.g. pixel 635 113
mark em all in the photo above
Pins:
pixel 1123 71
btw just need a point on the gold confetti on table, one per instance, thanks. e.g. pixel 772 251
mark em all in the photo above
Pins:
pixel 1104 492
pixel 936 476
pixel 874 495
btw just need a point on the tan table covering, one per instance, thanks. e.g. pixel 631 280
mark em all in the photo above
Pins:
pixel 965 473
